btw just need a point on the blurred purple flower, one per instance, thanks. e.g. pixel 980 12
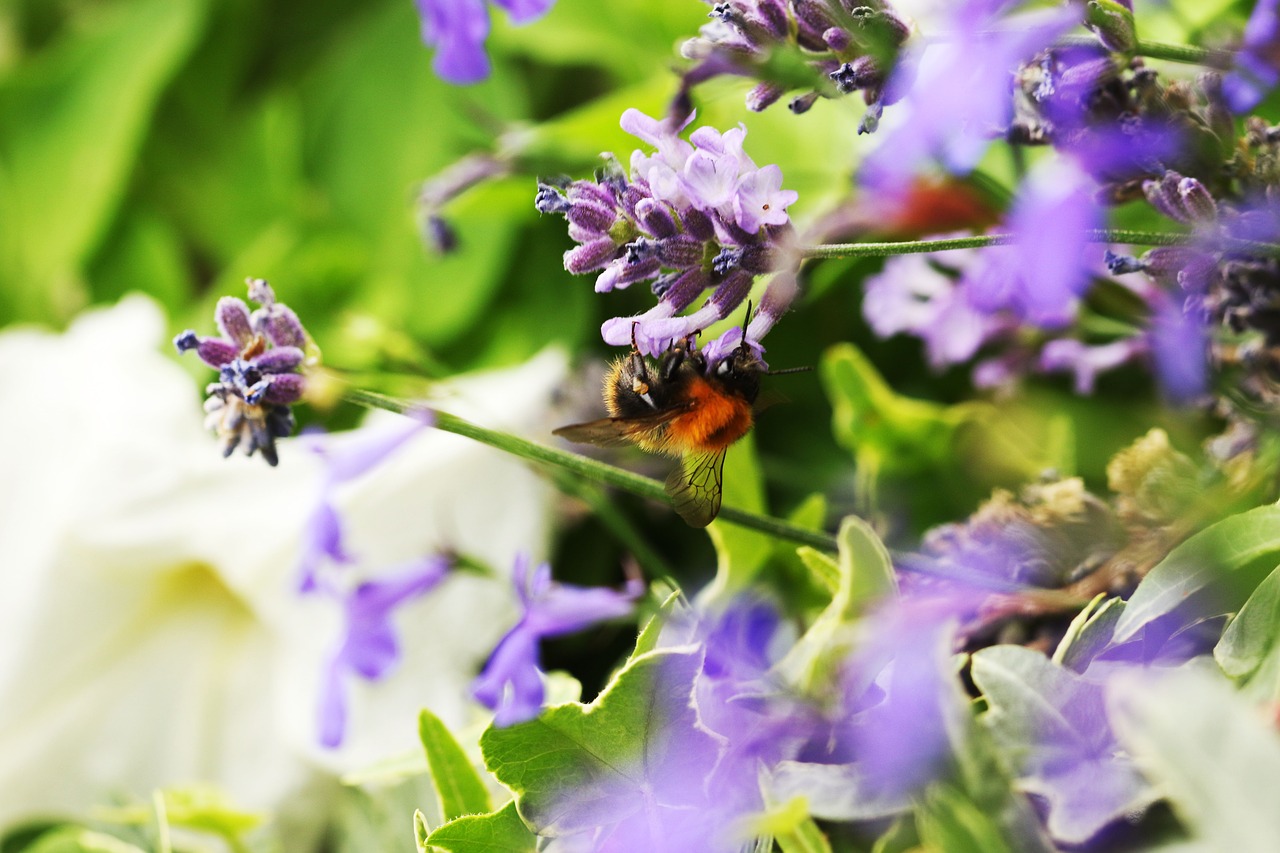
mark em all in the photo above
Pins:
pixel 1041 275
pixel 1087 361
pixel 1257 66
pixel 961 96
pixel 347 457
pixel 457 29
pixel 911 294
pixel 510 684
pixel 369 647
pixel 1179 348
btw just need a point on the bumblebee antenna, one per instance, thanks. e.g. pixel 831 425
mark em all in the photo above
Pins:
pixel 745 321
pixel 787 370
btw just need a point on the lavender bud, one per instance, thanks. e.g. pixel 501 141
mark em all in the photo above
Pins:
pixel 1163 195
pixel 802 103
pixel 763 95
pixel 698 225
pixel 438 234
pixel 884 22
pixel 1122 264
pixel 280 360
pixel 680 252
pixel 549 200
pixel 728 260
pixel 590 257
pixel 838 39
pixel 187 340
pixel 861 73
pixel 871 118
pixel 281 326
pixel 601 194
pixel 641 251
pixel 773 17
pixel 591 217
pixel 681 292
pixel 1112 23
pixel 285 389
pixel 813 20
pixel 232 318
pixel 1197 202
pixel 656 218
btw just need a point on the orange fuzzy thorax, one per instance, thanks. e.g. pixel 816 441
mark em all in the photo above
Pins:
pixel 714 421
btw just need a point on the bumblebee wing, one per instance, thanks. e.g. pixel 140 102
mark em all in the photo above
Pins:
pixel 695 487
pixel 616 432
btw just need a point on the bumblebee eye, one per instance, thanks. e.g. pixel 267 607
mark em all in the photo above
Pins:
pixel 723 367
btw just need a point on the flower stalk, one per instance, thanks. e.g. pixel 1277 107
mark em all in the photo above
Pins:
pixel 590 469
pixel 1103 235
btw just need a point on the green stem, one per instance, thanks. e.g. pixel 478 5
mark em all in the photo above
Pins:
pixel 1105 235
pixel 1184 53
pixel 590 469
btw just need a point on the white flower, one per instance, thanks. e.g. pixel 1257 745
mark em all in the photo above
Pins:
pixel 149 632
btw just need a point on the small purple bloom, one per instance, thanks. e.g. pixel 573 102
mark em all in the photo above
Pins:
pixel 1257 66
pixel 369 648
pixel 260 358
pixel 457 29
pixel 510 684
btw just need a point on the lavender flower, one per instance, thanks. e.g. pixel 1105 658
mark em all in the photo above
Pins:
pixel 1257 67
pixel 260 357
pixel 510 684
pixel 369 648
pixel 693 215
pixel 856 44
pixel 457 29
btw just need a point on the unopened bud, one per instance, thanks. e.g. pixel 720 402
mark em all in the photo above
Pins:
pixel 1113 24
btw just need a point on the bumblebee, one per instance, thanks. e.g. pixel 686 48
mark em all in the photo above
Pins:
pixel 684 406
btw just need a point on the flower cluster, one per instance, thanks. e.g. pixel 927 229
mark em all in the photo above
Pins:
pixel 693 215
pixel 260 357
pixel 850 46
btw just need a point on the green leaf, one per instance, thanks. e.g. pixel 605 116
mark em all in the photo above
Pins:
pixel 793 828
pixel 458 785
pixel 203 809
pixel 1051 726
pixel 1089 634
pixel 1213 755
pixel 71 126
pixel 1253 633
pixel 500 832
pixel 578 767
pixel 420 831
pixel 1218 559
pixel 865 575
pixel 647 639
pixel 740 551
pixel 823 567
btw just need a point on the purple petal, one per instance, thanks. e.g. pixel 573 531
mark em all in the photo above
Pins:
pixel 232 316
pixel 321 538
pixel 279 360
pixel 1258 64
pixel 216 352
pixel 510 684
pixel 358 452
pixel 457 29
pixel 280 325
pixel 1179 348
pixel 285 388
pixel 332 707
pixel 564 608
pixel 1086 362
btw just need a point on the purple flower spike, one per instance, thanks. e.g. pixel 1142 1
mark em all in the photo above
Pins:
pixel 692 214
pixel 510 684
pixel 1258 65
pixel 370 648
pixel 260 358
pixel 457 29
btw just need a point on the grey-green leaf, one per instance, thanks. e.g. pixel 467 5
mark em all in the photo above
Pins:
pixel 1213 557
